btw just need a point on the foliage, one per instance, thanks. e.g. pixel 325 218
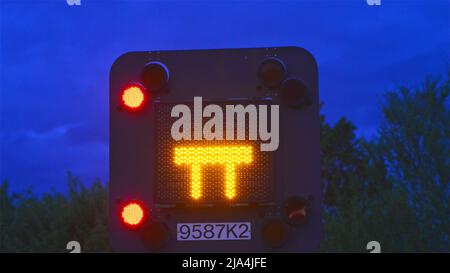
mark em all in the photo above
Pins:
pixel 46 224
pixel 395 188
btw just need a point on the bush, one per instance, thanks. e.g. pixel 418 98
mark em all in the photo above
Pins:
pixel 47 224
pixel 394 189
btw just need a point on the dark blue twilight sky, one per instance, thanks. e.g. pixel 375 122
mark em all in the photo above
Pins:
pixel 55 61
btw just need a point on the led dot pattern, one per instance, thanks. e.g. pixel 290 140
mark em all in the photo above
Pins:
pixel 209 171
pixel 227 156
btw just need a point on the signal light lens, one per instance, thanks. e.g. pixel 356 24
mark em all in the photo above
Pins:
pixel 132 214
pixel 133 97
pixel 155 76
pixel 155 235
pixel 295 93
pixel 296 210
pixel 272 72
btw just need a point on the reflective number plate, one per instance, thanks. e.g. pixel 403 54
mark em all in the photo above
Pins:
pixel 214 231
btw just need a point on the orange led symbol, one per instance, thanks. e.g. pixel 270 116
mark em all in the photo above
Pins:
pixel 230 156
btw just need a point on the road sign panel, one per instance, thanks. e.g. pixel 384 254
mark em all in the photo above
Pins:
pixel 206 137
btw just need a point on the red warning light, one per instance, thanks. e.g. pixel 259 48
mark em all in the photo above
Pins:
pixel 132 214
pixel 133 97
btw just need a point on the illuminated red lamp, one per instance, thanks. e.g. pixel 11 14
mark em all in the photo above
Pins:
pixel 132 214
pixel 133 97
pixel 155 77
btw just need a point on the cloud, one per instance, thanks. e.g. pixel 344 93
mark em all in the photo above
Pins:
pixel 41 159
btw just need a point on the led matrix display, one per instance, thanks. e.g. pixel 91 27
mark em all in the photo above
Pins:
pixel 209 172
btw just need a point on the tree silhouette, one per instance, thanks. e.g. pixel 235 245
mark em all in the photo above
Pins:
pixel 399 194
